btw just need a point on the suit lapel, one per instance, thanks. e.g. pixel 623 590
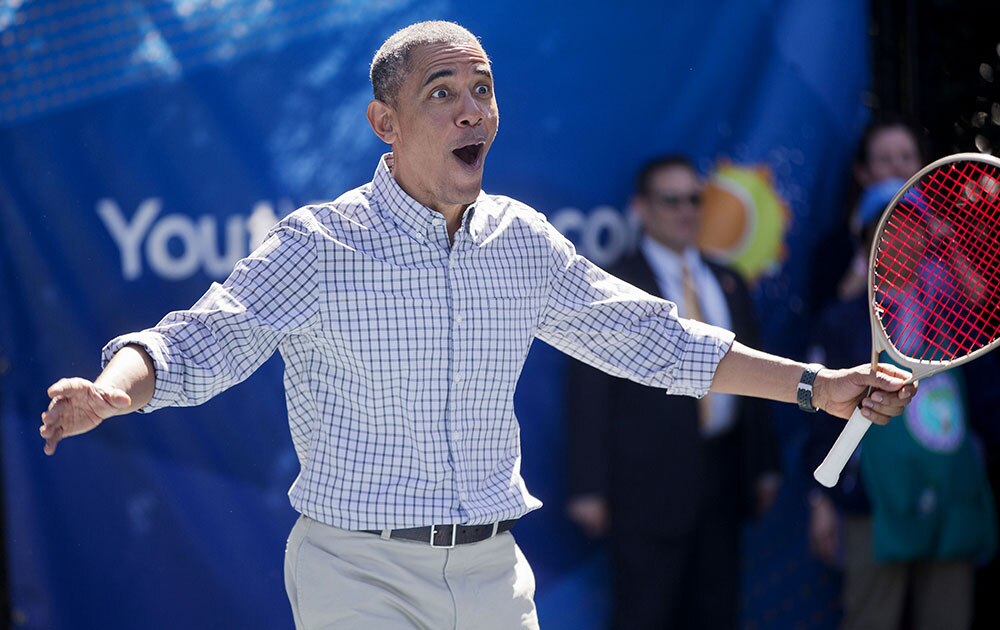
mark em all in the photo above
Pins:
pixel 636 270
pixel 642 275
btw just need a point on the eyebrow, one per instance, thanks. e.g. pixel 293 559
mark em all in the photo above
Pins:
pixel 438 75
pixel 448 72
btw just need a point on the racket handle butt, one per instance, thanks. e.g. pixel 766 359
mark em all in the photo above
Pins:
pixel 828 473
pixel 826 476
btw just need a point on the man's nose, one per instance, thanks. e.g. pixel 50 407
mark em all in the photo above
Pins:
pixel 471 114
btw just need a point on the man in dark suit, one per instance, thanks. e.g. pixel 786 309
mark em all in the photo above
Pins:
pixel 670 478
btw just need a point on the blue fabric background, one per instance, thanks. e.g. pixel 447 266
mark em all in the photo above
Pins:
pixel 193 124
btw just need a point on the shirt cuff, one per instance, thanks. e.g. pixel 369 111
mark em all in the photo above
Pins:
pixel 166 384
pixel 706 345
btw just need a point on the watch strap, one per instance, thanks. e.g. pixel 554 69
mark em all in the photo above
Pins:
pixel 804 393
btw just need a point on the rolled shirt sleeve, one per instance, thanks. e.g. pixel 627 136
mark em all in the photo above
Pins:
pixel 235 326
pixel 167 385
pixel 624 331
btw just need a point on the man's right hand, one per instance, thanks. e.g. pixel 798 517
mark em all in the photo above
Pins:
pixel 591 514
pixel 78 406
pixel 824 528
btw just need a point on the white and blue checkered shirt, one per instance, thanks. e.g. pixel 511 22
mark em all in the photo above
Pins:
pixel 402 350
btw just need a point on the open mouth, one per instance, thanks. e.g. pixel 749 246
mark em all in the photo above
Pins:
pixel 470 153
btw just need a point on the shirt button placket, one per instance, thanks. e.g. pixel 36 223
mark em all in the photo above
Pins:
pixel 454 404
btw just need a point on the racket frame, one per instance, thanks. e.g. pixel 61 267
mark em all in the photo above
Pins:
pixel 828 472
pixel 919 368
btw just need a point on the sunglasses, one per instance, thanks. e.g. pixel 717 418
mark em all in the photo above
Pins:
pixel 675 201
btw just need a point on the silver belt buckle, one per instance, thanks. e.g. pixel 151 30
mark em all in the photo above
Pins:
pixel 454 532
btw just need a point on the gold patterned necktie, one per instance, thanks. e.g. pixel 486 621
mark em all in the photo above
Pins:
pixel 693 309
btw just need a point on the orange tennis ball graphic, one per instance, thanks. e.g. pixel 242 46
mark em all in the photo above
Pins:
pixel 744 220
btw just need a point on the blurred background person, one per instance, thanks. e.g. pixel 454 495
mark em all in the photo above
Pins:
pixel 890 147
pixel 668 478
pixel 913 511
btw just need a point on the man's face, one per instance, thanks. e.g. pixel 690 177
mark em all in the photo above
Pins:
pixel 445 121
pixel 892 152
pixel 670 211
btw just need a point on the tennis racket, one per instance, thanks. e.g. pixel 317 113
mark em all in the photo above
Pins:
pixel 933 279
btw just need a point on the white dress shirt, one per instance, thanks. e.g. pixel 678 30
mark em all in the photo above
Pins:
pixel 402 349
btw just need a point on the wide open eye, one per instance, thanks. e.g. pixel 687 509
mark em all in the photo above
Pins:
pixel 482 89
pixel 439 93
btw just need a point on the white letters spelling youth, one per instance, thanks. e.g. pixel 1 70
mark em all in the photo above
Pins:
pixel 197 239
pixel 143 240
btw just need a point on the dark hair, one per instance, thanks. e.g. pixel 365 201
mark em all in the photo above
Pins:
pixel 880 124
pixel 391 62
pixel 651 167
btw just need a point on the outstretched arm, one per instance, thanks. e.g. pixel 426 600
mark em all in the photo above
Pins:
pixel 192 355
pixel 78 405
pixel 750 372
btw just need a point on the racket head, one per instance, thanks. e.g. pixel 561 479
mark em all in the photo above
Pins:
pixel 934 266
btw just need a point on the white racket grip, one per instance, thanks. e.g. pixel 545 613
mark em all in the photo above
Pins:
pixel 829 471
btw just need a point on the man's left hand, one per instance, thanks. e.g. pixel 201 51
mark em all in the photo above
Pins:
pixel 839 392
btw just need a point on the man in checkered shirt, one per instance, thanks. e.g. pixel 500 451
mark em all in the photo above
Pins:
pixel 404 311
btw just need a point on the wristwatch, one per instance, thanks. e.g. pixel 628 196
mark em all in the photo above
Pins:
pixel 805 389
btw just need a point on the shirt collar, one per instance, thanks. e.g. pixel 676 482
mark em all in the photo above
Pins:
pixel 667 262
pixel 406 212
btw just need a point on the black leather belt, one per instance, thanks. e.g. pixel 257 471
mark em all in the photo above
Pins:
pixel 447 536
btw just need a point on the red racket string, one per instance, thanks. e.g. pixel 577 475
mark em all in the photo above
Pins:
pixel 977 228
pixel 964 190
pixel 937 294
pixel 906 307
pixel 945 325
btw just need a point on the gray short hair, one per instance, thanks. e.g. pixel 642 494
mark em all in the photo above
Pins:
pixel 392 60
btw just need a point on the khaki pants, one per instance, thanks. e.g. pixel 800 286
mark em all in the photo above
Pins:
pixel 342 579
pixel 875 593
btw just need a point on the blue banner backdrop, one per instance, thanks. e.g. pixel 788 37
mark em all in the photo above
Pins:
pixel 147 145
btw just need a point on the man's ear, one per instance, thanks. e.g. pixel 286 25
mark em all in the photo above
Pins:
pixel 640 208
pixel 382 118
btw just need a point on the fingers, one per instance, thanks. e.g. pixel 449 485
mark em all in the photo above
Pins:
pixel 68 387
pixel 52 438
pixel 52 430
pixel 880 406
pixel 78 406
pixel 52 416
pixel 889 395
pixel 888 377
pixel 893 371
